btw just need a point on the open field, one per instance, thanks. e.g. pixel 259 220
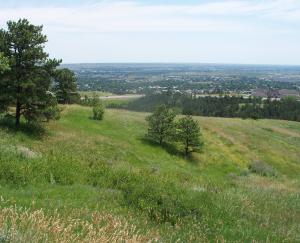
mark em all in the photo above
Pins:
pixel 116 97
pixel 108 95
pixel 90 94
pixel 111 99
pixel 90 181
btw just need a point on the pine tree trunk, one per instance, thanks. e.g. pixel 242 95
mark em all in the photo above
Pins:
pixel 18 113
pixel 186 147
pixel 160 141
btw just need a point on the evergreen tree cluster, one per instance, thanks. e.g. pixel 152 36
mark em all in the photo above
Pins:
pixel 287 108
pixel 164 129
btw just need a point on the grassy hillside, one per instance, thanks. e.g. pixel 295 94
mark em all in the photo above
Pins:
pixel 85 180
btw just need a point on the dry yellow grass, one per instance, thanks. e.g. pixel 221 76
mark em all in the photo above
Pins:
pixel 23 225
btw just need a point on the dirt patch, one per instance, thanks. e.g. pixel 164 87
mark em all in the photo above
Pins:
pixel 285 131
pixel 27 153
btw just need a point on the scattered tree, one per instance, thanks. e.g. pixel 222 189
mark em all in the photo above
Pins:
pixel 66 86
pixel 161 124
pixel 26 85
pixel 98 111
pixel 188 133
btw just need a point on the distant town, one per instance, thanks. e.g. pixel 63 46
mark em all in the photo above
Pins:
pixel 273 82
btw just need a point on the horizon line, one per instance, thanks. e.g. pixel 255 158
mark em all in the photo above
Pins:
pixel 186 63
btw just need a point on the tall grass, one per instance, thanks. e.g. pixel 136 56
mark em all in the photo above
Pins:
pixel 23 225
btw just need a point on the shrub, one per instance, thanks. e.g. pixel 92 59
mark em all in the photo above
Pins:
pixel 98 111
pixel 244 172
pixel 262 169
pixel 163 202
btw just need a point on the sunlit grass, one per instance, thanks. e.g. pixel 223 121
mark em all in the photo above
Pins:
pixel 106 168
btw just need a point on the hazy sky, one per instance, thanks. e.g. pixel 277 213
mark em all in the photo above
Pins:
pixel 221 31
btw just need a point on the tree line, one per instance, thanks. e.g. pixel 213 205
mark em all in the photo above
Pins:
pixel 30 81
pixel 223 106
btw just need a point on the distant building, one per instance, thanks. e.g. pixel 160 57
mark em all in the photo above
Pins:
pixel 288 92
pixel 275 93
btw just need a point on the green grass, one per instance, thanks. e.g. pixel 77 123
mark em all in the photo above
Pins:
pixel 82 168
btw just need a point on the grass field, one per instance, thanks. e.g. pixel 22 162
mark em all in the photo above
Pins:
pixel 89 181
pixel 109 99
pixel 90 94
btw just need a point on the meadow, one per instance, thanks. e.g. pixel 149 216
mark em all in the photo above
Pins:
pixel 81 180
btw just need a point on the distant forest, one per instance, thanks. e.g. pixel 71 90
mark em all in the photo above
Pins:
pixel 225 106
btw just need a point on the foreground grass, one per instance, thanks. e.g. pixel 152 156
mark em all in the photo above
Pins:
pixel 139 191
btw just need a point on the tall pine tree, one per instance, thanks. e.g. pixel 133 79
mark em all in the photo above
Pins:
pixel 27 84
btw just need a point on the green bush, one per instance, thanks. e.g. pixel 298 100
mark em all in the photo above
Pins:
pixel 261 168
pixel 163 202
pixel 98 111
pixel 244 172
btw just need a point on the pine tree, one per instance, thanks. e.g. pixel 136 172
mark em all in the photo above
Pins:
pixel 27 84
pixel 188 133
pixel 4 66
pixel 66 86
pixel 161 124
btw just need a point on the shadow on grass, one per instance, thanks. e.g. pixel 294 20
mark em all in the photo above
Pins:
pixel 93 119
pixel 171 149
pixel 33 130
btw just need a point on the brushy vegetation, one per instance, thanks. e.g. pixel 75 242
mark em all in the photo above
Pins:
pixel 262 168
pixel 85 181
pixel 98 111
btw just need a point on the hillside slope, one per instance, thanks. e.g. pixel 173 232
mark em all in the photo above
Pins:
pixel 104 181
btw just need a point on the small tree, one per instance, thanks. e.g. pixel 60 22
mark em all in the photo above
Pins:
pixel 66 86
pixel 188 133
pixel 98 111
pixel 161 124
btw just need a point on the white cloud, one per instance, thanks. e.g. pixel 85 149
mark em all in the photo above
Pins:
pixel 134 17
pixel 256 31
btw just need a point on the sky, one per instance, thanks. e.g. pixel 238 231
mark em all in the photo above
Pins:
pixel 180 31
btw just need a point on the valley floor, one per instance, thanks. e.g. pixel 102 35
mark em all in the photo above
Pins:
pixel 102 181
